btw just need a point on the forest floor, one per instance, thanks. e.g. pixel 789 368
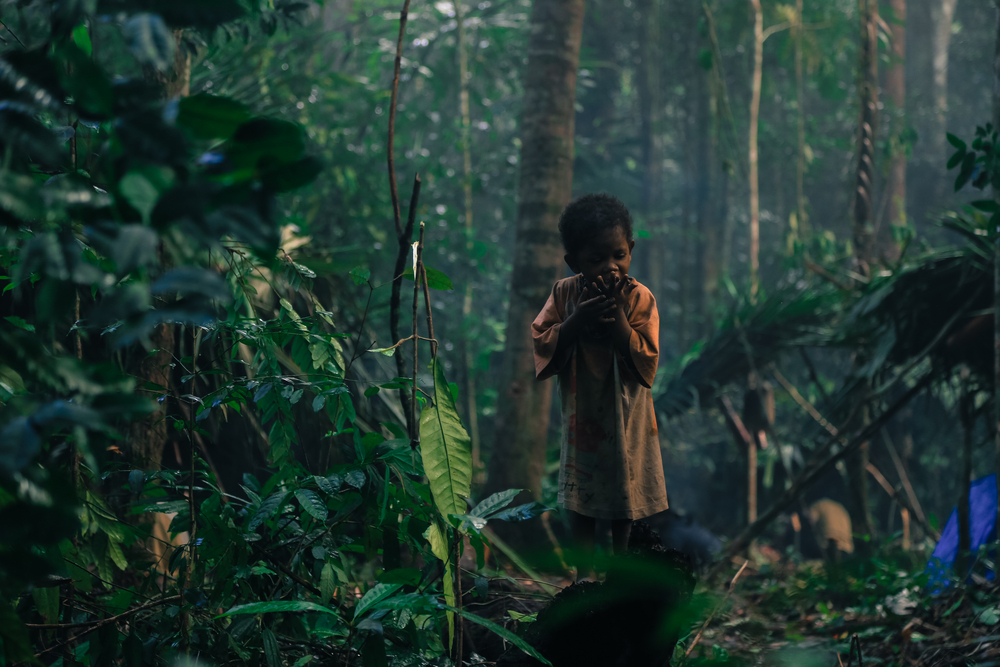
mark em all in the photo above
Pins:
pixel 805 614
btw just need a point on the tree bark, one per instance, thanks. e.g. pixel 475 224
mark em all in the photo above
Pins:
pixel 650 111
pixel 472 415
pixel 857 464
pixel 545 187
pixel 967 410
pixel 942 15
pixel 800 160
pixel 896 88
pixel 758 71
pixel 147 437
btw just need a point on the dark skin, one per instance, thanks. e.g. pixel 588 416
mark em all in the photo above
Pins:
pixel 604 263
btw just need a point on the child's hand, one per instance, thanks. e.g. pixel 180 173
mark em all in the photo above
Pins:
pixel 598 308
pixel 616 292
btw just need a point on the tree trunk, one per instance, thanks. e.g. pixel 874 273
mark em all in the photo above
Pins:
pixel 800 162
pixel 545 187
pixel 472 415
pixel 896 88
pixel 706 237
pixel 147 437
pixel 942 15
pixel 857 464
pixel 967 411
pixel 650 111
pixel 758 71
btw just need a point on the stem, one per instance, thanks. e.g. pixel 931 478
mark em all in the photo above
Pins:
pixel 393 191
pixel 460 624
pixel 427 301
pixel 821 461
pixel 414 421
pixel 732 587
pixel 403 241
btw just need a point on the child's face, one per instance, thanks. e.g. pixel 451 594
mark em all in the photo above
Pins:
pixel 608 255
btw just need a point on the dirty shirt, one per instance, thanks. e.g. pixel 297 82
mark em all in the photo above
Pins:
pixel 610 465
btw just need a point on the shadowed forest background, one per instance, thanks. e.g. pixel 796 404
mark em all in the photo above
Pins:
pixel 234 429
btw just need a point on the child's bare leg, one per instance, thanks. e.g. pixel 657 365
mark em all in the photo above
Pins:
pixel 583 540
pixel 620 531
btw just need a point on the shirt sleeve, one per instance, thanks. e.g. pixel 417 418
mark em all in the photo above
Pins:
pixel 644 343
pixel 545 334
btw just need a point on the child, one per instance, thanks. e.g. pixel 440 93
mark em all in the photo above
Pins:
pixel 599 331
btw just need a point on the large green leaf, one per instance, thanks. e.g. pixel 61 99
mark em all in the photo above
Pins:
pixel 278 606
pixel 210 116
pixel 495 503
pixel 376 594
pixel 501 631
pixel 446 449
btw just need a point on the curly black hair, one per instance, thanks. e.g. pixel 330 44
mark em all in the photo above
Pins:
pixel 590 215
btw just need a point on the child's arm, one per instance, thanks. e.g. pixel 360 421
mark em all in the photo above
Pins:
pixel 622 332
pixel 549 324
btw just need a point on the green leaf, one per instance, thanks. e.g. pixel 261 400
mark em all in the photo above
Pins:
pixel 445 448
pixel 956 142
pixel 81 38
pixel 278 606
pixel 956 159
pixel 521 512
pixel 502 632
pixel 210 116
pixel 115 551
pixel 47 601
pixel 20 323
pixel 327 582
pixel 360 275
pixel 968 167
pixel 371 391
pixel 150 40
pixel 376 594
pixel 312 504
pixel 292 176
pixel 86 82
pixel 271 652
pixel 987 205
pixel 267 508
pixel 435 279
pixel 404 575
pixel 495 503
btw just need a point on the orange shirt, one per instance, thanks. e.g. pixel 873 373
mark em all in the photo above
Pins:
pixel 610 465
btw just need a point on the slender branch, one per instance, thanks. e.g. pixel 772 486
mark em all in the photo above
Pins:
pixel 903 477
pixel 393 190
pixel 777 27
pixel 803 403
pixel 96 625
pixel 414 421
pixel 403 241
pixel 291 575
pixel 718 608
pixel 821 461
pixel 364 318
pixel 901 499
pixel 13 35
pixel 427 301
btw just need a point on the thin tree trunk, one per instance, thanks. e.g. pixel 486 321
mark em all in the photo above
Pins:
pixel 705 237
pixel 650 107
pixel 857 464
pixel 942 16
pixel 758 71
pixel 466 351
pixel 518 457
pixel 896 88
pixel 966 408
pixel 800 162
pixel 996 281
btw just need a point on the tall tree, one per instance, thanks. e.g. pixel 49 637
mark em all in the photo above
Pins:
pixel 895 81
pixel 758 71
pixel 800 94
pixel 863 232
pixel 942 16
pixel 545 187
pixel 467 359
pixel 650 112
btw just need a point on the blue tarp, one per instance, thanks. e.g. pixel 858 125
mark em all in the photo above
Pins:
pixel 982 526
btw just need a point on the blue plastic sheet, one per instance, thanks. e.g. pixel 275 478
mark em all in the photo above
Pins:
pixel 982 526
